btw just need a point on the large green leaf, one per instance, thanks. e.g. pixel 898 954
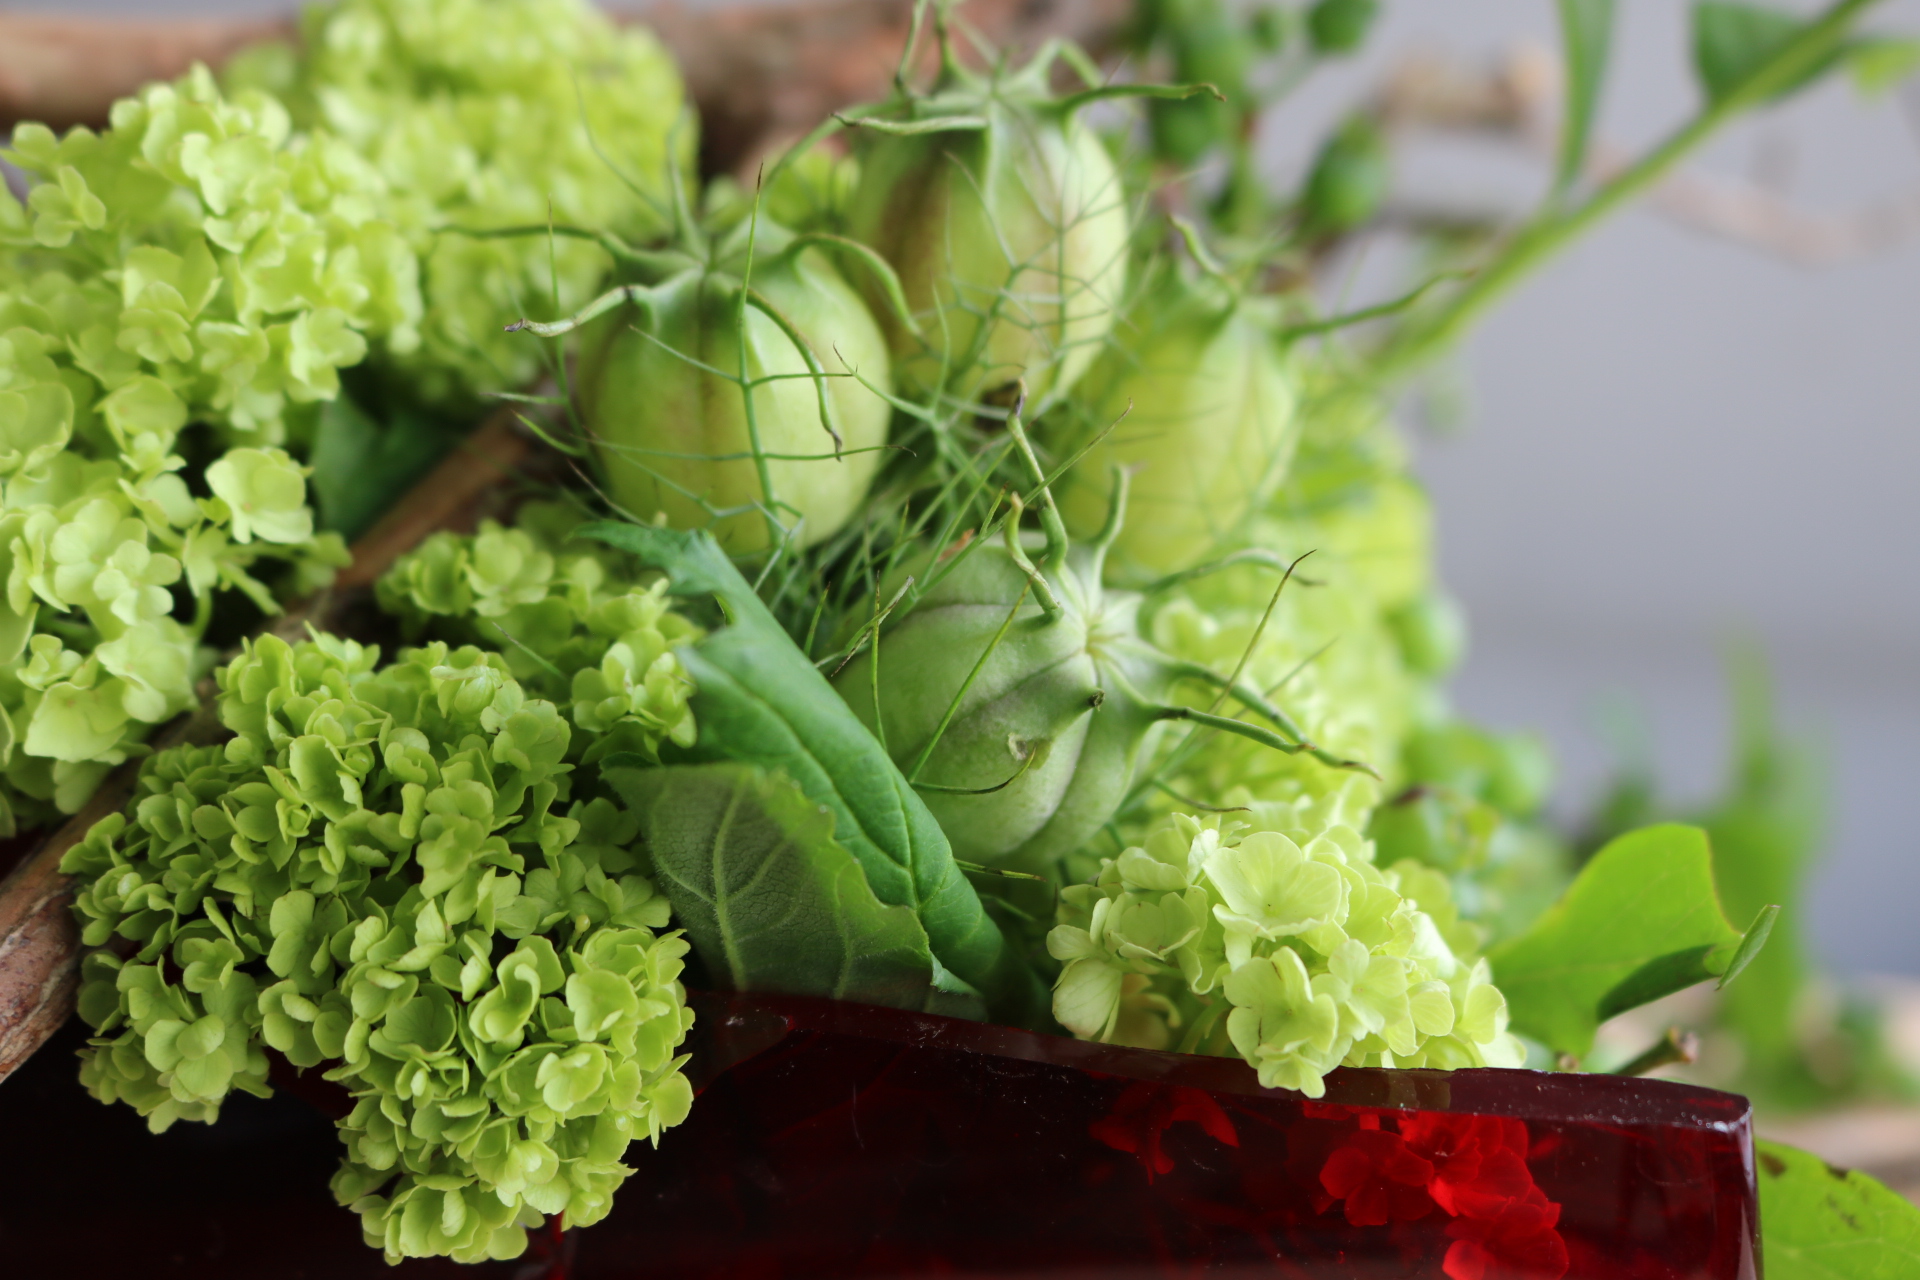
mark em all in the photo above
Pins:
pixel 1586 36
pixel 1822 1223
pixel 760 701
pixel 770 900
pixel 1641 921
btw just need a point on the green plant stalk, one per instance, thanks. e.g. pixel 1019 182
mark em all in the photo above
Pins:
pixel 1554 229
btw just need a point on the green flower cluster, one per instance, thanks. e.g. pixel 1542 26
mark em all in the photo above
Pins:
pixel 201 258
pixel 197 262
pixel 484 114
pixel 573 624
pixel 396 873
pixel 1316 957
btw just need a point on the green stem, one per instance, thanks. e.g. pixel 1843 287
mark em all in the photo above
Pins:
pixel 638 295
pixel 1034 754
pixel 657 263
pixel 1049 603
pixel 1554 228
pixel 1050 521
pixel 1074 101
pixel 1377 312
pixel 1116 520
pixel 881 270
pixel 900 84
pixel 1265 737
pixel 815 371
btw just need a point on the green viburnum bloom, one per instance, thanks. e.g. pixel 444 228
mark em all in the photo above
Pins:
pixel 404 877
pixel 571 620
pixel 1315 957
pixel 196 266
pixel 1357 658
pixel 479 114
pixel 265 493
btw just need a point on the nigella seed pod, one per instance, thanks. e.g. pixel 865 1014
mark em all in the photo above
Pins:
pixel 1018 697
pixel 1043 735
pixel 1006 220
pixel 1195 398
pixel 739 389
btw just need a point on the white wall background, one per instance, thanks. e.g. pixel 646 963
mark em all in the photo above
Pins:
pixel 1673 440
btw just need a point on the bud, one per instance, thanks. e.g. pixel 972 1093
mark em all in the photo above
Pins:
pixel 1348 182
pixel 1207 45
pixel 661 383
pixel 1007 223
pixel 1340 26
pixel 1205 410
pixel 1018 697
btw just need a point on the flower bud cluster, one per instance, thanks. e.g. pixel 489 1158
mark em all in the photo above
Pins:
pixel 1315 957
pixel 396 874
pixel 570 619
pixel 482 114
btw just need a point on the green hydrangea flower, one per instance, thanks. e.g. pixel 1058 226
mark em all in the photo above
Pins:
pixel 403 877
pixel 197 262
pixel 1278 939
pixel 481 114
pixel 572 621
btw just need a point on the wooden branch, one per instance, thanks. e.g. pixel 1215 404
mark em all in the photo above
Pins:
pixel 68 71
pixel 39 940
pixel 755 71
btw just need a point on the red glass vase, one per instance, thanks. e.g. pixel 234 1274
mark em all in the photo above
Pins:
pixel 842 1140
pixel 836 1140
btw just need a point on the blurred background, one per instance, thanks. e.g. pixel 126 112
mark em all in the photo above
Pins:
pixel 1672 440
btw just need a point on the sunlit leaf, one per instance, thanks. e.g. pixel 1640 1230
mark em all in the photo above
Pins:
pixel 1641 921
